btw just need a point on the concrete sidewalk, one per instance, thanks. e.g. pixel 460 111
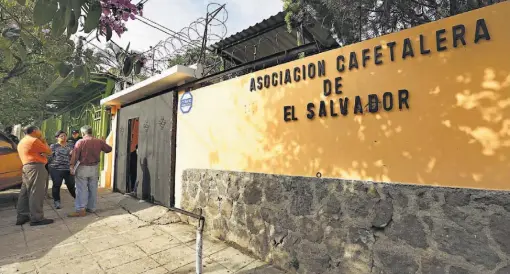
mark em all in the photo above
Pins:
pixel 123 236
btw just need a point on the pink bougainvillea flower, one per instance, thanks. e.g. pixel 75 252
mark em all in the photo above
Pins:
pixel 116 12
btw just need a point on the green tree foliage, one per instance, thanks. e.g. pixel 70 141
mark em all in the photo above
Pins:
pixel 351 21
pixel 123 63
pixel 64 16
pixel 103 16
pixel 29 59
pixel 56 19
pixel 211 62
pixel 27 63
pixel 24 45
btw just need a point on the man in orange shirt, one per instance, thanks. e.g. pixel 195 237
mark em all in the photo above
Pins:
pixel 32 150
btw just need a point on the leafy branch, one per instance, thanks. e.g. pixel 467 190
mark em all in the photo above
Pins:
pixel 352 21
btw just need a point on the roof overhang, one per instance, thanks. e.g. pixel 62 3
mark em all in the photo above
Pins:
pixel 169 78
pixel 62 95
pixel 269 37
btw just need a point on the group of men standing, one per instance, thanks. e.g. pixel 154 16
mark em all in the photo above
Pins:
pixel 74 161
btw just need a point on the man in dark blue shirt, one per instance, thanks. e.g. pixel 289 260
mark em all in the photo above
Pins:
pixel 75 137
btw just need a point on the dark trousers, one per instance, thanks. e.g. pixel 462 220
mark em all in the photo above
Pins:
pixel 57 176
pixel 31 195
pixel 133 171
pixel 47 182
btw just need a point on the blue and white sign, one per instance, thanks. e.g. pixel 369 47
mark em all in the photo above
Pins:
pixel 186 102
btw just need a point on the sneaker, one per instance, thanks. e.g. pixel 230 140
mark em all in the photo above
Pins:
pixel 80 213
pixel 90 210
pixel 57 205
pixel 22 220
pixel 42 222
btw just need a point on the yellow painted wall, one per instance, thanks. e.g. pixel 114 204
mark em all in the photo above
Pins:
pixel 109 158
pixel 456 132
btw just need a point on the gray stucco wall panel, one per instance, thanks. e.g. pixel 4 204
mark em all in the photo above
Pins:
pixel 163 148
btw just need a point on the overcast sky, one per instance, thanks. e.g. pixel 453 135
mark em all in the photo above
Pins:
pixel 176 14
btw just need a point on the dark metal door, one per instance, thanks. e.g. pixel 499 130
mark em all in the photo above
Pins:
pixel 156 153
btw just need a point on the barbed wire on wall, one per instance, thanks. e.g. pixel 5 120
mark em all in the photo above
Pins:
pixel 188 45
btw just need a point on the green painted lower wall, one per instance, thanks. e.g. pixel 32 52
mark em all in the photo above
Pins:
pixel 86 113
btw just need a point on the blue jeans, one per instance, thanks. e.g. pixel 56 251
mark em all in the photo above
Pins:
pixel 86 179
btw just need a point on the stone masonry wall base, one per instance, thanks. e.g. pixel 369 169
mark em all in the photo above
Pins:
pixel 314 225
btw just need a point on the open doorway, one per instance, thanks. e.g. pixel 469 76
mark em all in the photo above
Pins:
pixel 132 156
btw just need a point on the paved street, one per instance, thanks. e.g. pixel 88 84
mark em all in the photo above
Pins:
pixel 123 236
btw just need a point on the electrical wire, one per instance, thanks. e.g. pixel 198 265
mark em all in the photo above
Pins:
pixel 192 41
pixel 84 44
pixel 184 42
pixel 155 27
pixel 142 2
pixel 175 33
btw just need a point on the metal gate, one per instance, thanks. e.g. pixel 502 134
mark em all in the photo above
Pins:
pixel 156 167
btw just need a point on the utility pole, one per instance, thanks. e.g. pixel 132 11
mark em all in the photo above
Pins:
pixel 208 18
pixel 153 59
pixel 360 20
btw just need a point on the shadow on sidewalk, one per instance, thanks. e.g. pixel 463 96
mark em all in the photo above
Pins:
pixel 124 235
pixel 34 248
